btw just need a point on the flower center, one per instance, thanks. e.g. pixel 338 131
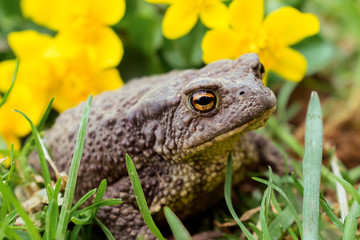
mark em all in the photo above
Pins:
pixel 266 44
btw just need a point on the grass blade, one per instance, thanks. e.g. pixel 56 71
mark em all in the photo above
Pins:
pixel 5 222
pixel 82 200
pixel 264 209
pixel 177 228
pixel 52 212
pixel 140 198
pixel 312 168
pixel 40 148
pixel 340 191
pixel 105 229
pixel 99 195
pixel 348 187
pixel 351 221
pixel 75 232
pixel 106 202
pixel 6 95
pixel 284 220
pixel 45 116
pixel 28 145
pixel 323 203
pixel 227 192
pixel 6 192
pixel 74 168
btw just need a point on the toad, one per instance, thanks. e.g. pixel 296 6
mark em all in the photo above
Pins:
pixel 179 129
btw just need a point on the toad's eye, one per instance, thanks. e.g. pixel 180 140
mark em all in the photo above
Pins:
pixel 203 101
pixel 261 70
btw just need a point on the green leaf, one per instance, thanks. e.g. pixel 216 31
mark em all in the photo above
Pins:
pixel 5 222
pixel 75 232
pixel 105 229
pixel 312 168
pixel 52 212
pixel 5 190
pixel 256 231
pixel 264 208
pixel 74 168
pixel 177 228
pixel 283 220
pixel 140 198
pixel 227 192
pixel 351 221
pixel 83 218
pixel 6 95
pixel 13 235
pixel 45 116
pixel 82 200
pixel 348 187
pixel 106 202
pixel 99 195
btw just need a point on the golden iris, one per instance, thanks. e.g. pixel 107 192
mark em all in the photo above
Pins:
pixel 203 101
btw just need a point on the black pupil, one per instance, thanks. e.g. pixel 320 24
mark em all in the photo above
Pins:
pixel 203 100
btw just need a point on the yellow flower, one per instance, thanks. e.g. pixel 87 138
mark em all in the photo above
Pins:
pixel 182 15
pixel 83 23
pixel 12 125
pixel 270 38
pixel 57 68
pixel 45 71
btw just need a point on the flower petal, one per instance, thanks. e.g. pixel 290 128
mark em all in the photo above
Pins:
pixel 108 47
pixel 246 15
pixel 6 72
pixel 103 48
pixel 108 11
pixel 109 80
pixel 215 15
pixel 291 25
pixel 47 13
pixel 178 20
pixel 27 44
pixel 290 65
pixel 219 44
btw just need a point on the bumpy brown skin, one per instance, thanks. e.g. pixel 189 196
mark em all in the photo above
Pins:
pixel 180 153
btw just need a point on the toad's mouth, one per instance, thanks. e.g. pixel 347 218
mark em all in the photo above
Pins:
pixel 237 131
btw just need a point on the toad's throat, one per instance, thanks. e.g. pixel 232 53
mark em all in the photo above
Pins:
pixel 238 130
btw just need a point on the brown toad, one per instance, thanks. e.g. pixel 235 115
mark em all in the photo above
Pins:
pixel 179 129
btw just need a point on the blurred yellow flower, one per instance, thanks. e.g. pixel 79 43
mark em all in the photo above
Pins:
pixel 83 23
pixel 54 68
pixel 33 103
pixel 182 15
pixel 270 38
pixel 77 62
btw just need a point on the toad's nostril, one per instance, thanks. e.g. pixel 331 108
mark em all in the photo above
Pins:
pixel 242 92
